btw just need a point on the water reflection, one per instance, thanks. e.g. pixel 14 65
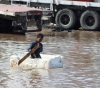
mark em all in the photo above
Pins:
pixel 81 51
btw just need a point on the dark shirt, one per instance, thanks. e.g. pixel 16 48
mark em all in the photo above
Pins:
pixel 37 52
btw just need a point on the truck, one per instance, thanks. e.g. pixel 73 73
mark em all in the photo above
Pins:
pixel 19 19
pixel 70 14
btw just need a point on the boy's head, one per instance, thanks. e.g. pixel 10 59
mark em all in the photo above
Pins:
pixel 40 37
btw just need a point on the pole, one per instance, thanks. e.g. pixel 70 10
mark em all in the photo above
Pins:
pixel 11 2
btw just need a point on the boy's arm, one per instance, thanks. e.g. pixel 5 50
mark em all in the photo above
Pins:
pixel 31 46
pixel 41 48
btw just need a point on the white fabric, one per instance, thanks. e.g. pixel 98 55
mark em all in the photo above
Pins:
pixel 46 62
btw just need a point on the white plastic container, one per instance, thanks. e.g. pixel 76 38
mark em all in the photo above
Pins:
pixel 46 62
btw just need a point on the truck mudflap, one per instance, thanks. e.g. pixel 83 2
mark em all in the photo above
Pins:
pixel 34 26
pixel 35 29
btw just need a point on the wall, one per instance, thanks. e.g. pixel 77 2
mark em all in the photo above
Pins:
pixel 4 2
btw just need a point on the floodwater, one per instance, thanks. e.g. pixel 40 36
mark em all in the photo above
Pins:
pixel 81 51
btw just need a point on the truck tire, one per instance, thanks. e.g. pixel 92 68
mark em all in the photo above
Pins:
pixel 90 20
pixel 65 19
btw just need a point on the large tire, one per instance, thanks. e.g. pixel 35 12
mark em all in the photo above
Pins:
pixel 65 19
pixel 90 20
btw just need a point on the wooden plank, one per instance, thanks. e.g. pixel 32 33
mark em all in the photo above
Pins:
pixel 28 54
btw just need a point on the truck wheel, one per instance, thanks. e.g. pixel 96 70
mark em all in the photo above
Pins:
pixel 65 19
pixel 90 20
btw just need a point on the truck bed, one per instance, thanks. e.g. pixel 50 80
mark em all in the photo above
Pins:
pixel 13 10
pixel 64 2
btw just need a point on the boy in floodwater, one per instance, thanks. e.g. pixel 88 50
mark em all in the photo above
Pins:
pixel 38 41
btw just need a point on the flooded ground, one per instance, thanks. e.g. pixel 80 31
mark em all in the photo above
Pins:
pixel 81 51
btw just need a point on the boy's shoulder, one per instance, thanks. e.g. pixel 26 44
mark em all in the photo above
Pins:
pixel 34 42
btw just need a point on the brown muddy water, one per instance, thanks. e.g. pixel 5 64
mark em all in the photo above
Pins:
pixel 81 51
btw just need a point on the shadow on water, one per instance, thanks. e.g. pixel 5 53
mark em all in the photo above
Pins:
pixel 81 51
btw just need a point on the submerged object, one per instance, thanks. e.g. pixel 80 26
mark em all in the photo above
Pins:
pixel 45 62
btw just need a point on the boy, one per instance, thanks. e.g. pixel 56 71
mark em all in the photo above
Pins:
pixel 38 41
